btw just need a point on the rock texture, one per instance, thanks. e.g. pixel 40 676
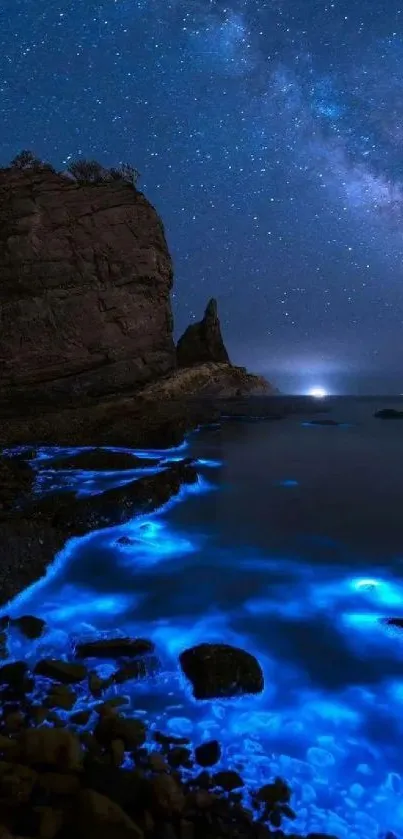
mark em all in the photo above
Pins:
pixel 85 290
pixel 202 342
pixel 219 670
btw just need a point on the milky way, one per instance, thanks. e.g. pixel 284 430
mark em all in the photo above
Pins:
pixel 268 135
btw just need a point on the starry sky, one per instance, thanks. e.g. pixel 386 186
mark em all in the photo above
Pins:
pixel 269 135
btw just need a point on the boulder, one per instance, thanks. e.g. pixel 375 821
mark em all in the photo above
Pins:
pixel 167 794
pixel 95 812
pixel 53 746
pixel 16 781
pixel 203 341
pixel 208 753
pixel 220 670
pixel 14 673
pixel 228 780
pixel 112 727
pixel 29 626
pixel 60 671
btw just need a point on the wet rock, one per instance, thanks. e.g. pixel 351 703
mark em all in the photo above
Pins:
pixel 203 799
pixel 38 714
pixel 388 414
pixel 276 793
pixel 117 750
pixel 157 762
pixel 170 740
pixel 13 721
pixel 104 460
pixel 95 684
pixel 219 670
pixel 13 674
pixel 114 702
pixel 95 811
pixel 179 756
pixel 111 727
pixel 29 626
pixel 167 794
pixel 16 782
pixel 397 622
pixel 60 696
pixel 228 780
pixel 80 718
pixel 60 671
pixel 321 836
pixel 125 541
pixel 137 669
pixel 208 753
pixel 55 747
pixel 114 648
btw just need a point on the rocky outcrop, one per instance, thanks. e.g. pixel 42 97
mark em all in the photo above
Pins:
pixel 388 413
pixel 85 290
pixel 202 342
pixel 80 762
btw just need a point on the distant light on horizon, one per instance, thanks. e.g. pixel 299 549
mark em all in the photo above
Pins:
pixel 318 392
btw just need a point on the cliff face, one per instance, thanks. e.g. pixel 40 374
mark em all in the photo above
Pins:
pixel 85 280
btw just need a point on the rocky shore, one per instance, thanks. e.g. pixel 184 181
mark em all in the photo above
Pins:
pixel 75 759
pixel 74 756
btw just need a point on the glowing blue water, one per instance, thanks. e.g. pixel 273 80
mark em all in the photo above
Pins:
pixel 292 549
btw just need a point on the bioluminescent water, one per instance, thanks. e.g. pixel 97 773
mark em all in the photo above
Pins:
pixel 291 546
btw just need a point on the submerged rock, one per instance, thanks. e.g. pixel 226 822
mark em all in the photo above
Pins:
pixel 218 670
pixel 208 753
pixel 29 626
pixel 388 413
pixel 115 648
pixel 324 422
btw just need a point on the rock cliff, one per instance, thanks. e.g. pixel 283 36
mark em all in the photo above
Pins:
pixel 86 345
pixel 85 290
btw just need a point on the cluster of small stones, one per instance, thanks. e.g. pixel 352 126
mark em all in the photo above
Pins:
pixel 72 764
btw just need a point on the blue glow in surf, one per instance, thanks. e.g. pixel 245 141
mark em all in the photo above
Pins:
pixel 329 720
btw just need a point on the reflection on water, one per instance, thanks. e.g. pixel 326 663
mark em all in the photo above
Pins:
pixel 291 546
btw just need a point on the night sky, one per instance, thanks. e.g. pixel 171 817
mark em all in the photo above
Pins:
pixel 269 135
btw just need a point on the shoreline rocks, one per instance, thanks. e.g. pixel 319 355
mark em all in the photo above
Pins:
pixel 72 767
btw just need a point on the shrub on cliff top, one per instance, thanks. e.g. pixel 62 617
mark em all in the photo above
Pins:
pixel 26 159
pixel 87 171
pixel 91 172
